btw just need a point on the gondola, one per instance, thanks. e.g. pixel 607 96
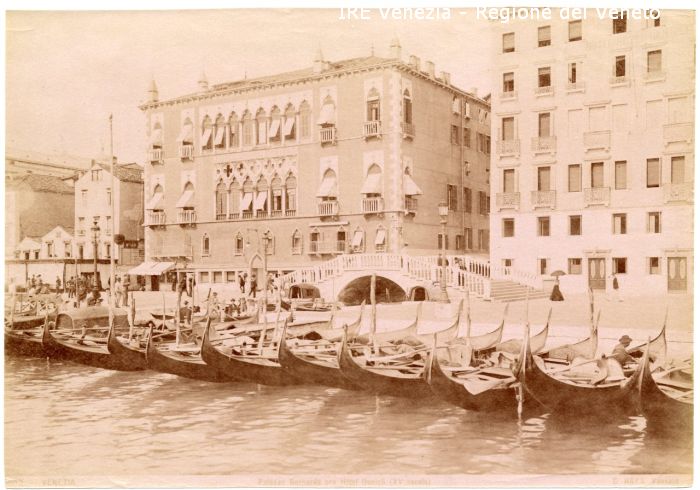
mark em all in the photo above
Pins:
pixel 24 328
pixel 125 351
pixel 187 363
pixel 239 362
pixel 65 342
pixel 589 388
pixel 665 398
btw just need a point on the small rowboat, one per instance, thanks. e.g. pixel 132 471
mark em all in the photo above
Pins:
pixel 65 342
pixel 665 398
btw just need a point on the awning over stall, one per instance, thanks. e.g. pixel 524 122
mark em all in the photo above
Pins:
pixel 410 188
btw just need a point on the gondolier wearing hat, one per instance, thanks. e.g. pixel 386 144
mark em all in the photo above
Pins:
pixel 620 354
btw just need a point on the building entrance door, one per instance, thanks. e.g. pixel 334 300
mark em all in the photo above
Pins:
pixel 596 273
pixel 677 274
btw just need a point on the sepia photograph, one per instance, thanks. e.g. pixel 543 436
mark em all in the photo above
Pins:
pixel 403 246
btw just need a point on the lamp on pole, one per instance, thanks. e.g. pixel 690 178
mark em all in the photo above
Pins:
pixel 265 242
pixel 443 210
pixel 95 237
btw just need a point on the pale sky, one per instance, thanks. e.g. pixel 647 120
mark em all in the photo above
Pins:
pixel 67 71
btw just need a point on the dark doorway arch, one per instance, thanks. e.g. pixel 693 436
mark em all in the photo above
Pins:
pixel 358 290
pixel 418 293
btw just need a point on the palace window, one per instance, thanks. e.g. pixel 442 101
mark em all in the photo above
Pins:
pixel 207 134
pixel 574 178
pixel 220 133
pixel 543 226
pixel 326 118
pixel 575 266
pixel 248 129
pixel 654 222
pixel 508 227
pixel 289 130
pixel 304 120
pixel 508 82
pixel 653 172
pixel 221 196
pixel 544 77
pixel 654 61
pixel 544 36
pixel 654 265
pixel 275 133
pixel 575 33
pixel 407 107
pixel 620 224
pixel 452 197
pixel 620 66
pixel 467 196
pixel 620 265
pixel 261 128
pixel 290 187
pixel 205 245
pixel 597 175
pixel 238 244
pixel 575 225
pixel 619 25
pixel 276 188
pixel 373 108
pixel 297 242
pixel 234 140
pixel 621 175
pixel 509 42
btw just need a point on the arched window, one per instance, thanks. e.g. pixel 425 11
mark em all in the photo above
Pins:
pixel 290 189
pixel 407 107
pixel 157 136
pixel 373 108
pixel 297 242
pixel 358 240
pixel 248 129
pixel 372 185
pixel 186 132
pixel 328 190
pixel 277 200
pixel 238 244
pixel 290 116
pixel 261 127
pixel 275 133
pixel 247 200
pixel 155 202
pixel 315 240
pixel 221 202
pixel 220 133
pixel 327 116
pixel 261 205
pixel 305 120
pixel 268 242
pixel 234 141
pixel 380 239
pixel 205 245
pixel 234 200
pixel 341 240
pixel 207 136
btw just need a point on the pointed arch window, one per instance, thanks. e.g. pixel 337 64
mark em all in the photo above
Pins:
pixel 268 242
pixel 341 237
pixel 297 242
pixel 261 128
pixel 372 186
pixel 247 199
pixel 248 129
pixel 205 245
pixel 407 107
pixel 380 240
pixel 186 132
pixel 238 244
pixel 358 240
pixel 234 200
pixel 157 137
pixel 305 120
pixel 275 132
pixel 373 107
pixel 277 202
pixel 327 116
pixel 328 190
pixel 261 204
pixel 221 202
pixel 220 133
pixel 233 138
pixel 207 134
pixel 289 130
pixel 290 189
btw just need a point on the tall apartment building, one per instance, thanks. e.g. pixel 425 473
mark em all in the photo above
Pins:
pixel 341 157
pixel 594 160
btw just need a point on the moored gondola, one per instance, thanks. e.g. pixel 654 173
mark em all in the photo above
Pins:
pixel 126 351
pixel 71 339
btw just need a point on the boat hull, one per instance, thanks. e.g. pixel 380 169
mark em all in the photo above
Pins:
pixel 24 343
pixel 127 355
pixel 321 373
pixel 187 368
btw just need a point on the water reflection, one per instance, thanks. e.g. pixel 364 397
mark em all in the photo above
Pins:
pixel 68 419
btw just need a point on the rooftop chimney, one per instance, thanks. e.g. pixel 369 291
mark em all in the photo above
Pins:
pixel 395 48
pixel 318 61
pixel 430 68
pixel 445 77
pixel 414 61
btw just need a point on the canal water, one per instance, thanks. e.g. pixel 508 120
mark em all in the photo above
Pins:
pixel 70 422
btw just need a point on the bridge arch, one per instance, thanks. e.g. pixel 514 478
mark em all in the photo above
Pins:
pixel 358 290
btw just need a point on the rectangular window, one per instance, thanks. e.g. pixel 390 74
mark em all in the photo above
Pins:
pixel 508 128
pixel 544 120
pixel 204 277
pixel 544 36
pixel 454 135
pixel 447 241
pixel 654 265
pixel 543 178
pixel 619 25
pixel 677 170
pixel 653 172
pixel 543 226
pixel 467 135
pixel 83 196
pixel 67 249
pixel 231 276
pixel 575 266
pixel 620 66
pixel 572 73
pixel 508 82
pixel 452 197
pixel 109 197
pixel 508 227
pixel 483 203
pixel 509 42
pixel 575 225
pixel 574 178
pixel 575 33
pixel 467 196
pixel 543 266
pixel 619 265
pixel 597 175
pixel 544 77
pixel 620 224
pixel 621 175
pixel 654 61
pixel 654 222
pixel 459 242
pixel 217 277
pixel 470 240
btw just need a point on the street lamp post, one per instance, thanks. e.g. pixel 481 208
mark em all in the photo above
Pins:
pixel 443 211
pixel 95 237
pixel 265 242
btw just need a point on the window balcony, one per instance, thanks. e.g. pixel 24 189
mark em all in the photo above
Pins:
pixel 155 155
pixel 575 87
pixel 221 216
pixel 679 133
pixel 508 147
pixel 621 81
pixel 276 213
pixel 372 205
pixel 596 140
pixel 543 199
pixel 187 217
pixel 596 196
pixel 327 247
pixel 544 144
pixel 508 200
pixel 408 130
pixel 186 152
pixel 327 135
pixel 155 218
pixel 234 215
pixel 261 213
pixel 328 208
pixel 372 129
pixel 548 90
pixel 290 212
pixel 411 204
pixel 682 193
pixel 510 95
pixel 248 214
